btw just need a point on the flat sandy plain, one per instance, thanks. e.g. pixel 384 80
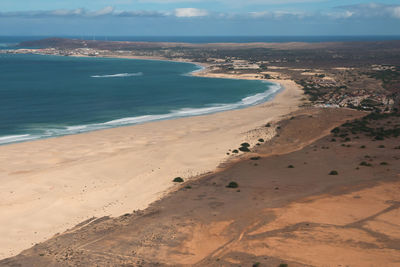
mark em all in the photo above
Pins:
pixel 300 216
pixel 51 185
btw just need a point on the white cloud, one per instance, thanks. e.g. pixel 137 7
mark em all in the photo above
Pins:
pixel 67 12
pixel 190 12
pixel 396 12
pixel 372 10
pixel 105 11
pixel 363 11
pixel 277 14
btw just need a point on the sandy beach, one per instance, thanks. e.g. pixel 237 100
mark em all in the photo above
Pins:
pixel 287 208
pixel 49 186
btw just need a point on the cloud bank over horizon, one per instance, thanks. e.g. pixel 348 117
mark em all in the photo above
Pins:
pixel 183 17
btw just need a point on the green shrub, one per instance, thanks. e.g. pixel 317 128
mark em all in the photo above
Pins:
pixel 283 265
pixel 232 185
pixel 178 180
pixel 384 163
pixel 290 166
pixel 257 264
pixel 235 151
pixel 336 130
pixel 333 173
pixel 381 146
pixel 244 149
pixel 245 144
pixel 364 163
pixel 268 125
pixel 261 140
pixel 362 146
pixel 255 158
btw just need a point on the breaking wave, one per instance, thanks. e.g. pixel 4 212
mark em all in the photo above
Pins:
pixel 118 75
pixel 184 112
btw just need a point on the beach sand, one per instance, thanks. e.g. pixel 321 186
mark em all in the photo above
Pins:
pixel 300 216
pixel 51 185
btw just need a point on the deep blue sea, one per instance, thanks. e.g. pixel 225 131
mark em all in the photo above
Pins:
pixel 48 96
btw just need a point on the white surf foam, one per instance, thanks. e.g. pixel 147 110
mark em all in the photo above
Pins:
pixel 118 75
pixel 17 138
pixel 184 112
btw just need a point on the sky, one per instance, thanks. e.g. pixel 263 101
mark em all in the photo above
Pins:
pixel 199 17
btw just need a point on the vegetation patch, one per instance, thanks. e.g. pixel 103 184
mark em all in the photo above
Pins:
pixel 366 164
pixel 244 149
pixel 178 180
pixel 232 185
pixel 366 127
pixel 333 173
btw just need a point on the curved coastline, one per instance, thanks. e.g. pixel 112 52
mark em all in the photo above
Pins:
pixel 245 102
pixel 59 182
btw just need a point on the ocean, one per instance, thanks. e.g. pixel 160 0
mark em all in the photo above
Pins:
pixel 49 96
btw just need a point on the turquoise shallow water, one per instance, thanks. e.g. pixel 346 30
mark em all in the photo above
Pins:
pixel 48 96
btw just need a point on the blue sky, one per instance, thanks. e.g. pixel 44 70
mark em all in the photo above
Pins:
pixel 199 17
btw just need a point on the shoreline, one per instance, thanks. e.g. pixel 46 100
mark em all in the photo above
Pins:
pixel 114 171
pixel 203 71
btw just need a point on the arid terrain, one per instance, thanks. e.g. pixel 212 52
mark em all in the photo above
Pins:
pixel 289 206
pixel 323 191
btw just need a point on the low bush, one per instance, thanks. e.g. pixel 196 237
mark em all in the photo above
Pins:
pixel 290 166
pixel 333 173
pixel 232 185
pixel 178 180
pixel 336 130
pixel 244 149
pixel 261 140
pixel 364 163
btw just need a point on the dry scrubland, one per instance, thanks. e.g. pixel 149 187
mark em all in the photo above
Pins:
pixel 288 206
pixel 314 183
